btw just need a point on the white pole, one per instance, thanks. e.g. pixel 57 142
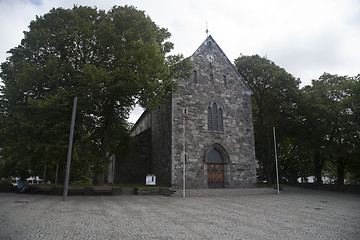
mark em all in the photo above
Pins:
pixel 184 153
pixel 276 163
pixel 67 173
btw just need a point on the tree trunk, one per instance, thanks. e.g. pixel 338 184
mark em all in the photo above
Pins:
pixel 100 174
pixel 318 167
pixel 268 177
pixel 44 173
pixel 300 167
pixel 340 170
pixel 99 178
pixel 270 160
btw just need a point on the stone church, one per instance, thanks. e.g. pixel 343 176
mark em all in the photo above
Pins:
pixel 205 130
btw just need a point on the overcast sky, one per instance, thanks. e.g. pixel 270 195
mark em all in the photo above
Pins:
pixel 305 37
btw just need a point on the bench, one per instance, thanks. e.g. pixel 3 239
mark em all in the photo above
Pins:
pixel 102 190
pixel 76 190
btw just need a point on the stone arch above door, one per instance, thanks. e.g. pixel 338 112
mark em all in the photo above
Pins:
pixel 220 149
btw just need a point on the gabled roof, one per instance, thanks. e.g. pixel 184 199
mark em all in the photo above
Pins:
pixel 240 78
pixel 145 114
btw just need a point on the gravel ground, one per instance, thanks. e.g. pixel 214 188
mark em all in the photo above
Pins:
pixel 294 214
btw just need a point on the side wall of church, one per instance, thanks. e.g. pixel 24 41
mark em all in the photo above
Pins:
pixel 216 82
pixel 161 144
pixel 134 167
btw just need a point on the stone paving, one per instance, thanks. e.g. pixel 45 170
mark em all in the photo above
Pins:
pixel 294 214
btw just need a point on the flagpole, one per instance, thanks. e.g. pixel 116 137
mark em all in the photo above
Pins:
pixel 67 173
pixel 184 152
pixel 276 163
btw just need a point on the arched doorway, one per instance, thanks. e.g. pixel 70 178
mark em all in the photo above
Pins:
pixel 215 169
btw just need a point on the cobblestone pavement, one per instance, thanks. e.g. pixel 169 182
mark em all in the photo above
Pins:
pixel 294 214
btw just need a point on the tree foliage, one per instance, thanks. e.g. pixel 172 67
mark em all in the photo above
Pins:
pixel 331 125
pixel 275 94
pixel 109 60
pixel 317 127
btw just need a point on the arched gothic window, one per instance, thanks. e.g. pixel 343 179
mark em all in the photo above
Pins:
pixel 209 118
pixel 220 120
pixel 215 118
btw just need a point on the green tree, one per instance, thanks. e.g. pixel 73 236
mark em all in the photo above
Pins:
pixel 109 60
pixel 275 94
pixel 352 104
pixel 314 126
pixel 330 124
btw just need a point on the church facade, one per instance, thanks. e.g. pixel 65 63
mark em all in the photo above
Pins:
pixel 203 135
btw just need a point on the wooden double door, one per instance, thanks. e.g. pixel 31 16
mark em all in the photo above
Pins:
pixel 215 175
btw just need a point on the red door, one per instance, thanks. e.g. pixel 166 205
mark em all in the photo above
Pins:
pixel 215 173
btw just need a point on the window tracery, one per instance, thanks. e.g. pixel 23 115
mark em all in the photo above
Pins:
pixel 215 118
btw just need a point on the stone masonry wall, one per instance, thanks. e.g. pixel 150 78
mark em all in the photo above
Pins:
pixel 227 89
pixel 161 144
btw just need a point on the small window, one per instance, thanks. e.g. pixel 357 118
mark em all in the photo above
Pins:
pixel 224 78
pixel 195 77
pixel 211 76
pixel 209 44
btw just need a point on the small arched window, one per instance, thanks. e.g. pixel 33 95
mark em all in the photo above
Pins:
pixel 195 76
pixel 215 118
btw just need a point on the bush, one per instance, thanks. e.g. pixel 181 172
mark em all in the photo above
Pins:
pixel 5 181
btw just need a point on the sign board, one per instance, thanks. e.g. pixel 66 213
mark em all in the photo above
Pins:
pixel 150 179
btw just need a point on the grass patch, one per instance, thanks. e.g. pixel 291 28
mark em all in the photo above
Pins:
pixel 91 186
pixel 81 185
pixel 264 185
pixel 50 185
pixel 61 185
pixel 135 185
